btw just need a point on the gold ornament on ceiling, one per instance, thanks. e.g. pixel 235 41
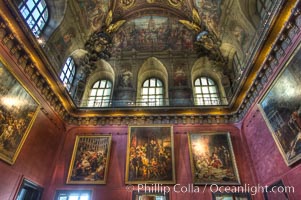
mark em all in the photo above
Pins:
pixel 207 43
pixel 110 28
pixel 150 1
pixel 175 3
pixel 127 3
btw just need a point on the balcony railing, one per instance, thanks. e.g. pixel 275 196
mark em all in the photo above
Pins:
pixel 115 103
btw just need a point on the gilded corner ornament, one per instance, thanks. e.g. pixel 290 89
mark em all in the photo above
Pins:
pixel 127 3
pixel 175 3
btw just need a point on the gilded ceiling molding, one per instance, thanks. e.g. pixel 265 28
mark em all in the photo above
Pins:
pixel 280 48
pixel 127 3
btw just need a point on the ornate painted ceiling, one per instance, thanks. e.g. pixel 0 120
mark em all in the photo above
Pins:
pixel 220 38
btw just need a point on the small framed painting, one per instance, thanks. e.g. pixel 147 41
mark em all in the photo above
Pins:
pixel 212 159
pixel 90 160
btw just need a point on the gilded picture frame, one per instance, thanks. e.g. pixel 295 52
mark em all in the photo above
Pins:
pixel 212 159
pixel 18 110
pixel 90 159
pixel 281 109
pixel 231 196
pixel 150 155
pixel 136 195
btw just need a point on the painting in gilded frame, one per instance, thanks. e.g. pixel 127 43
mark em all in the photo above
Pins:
pixel 281 109
pixel 212 159
pixel 90 160
pixel 231 196
pixel 18 110
pixel 150 155
pixel 137 195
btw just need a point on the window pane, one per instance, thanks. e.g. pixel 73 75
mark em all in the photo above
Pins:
pixel 205 90
pixel 159 83
pixel 93 92
pixel 204 81
pixel 159 91
pixel 197 82
pixel 107 92
pixel 100 92
pixel 145 84
pixel 151 91
pixel 109 84
pixel 153 82
pixel 25 12
pixel 211 82
pixel 102 84
pixel 30 4
pixel 198 89
pixel 30 22
pixel 36 14
pixel 212 89
pixel 144 90
pixel 96 85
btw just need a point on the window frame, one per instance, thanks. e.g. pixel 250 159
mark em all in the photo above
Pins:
pixel 68 79
pixel 206 97
pixel 103 100
pixel 156 98
pixel 36 23
pixel 68 192
pixel 261 7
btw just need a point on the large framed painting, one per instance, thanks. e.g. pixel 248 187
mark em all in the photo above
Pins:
pixel 281 109
pixel 18 110
pixel 90 160
pixel 150 155
pixel 136 195
pixel 212 159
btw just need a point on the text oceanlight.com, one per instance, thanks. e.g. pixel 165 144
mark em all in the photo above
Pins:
pixel 191 188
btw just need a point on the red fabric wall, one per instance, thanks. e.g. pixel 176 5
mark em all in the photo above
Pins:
pixel 36 159
pixel 116 189
pixel 266 158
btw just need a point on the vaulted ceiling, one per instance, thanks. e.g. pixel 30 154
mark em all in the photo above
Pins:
pixel 226 39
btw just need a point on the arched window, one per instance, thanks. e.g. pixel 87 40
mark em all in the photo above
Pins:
pixel 35 13
pixel 68 73
pixel 100 94
pixel 206 92
pixel 263 7
pixel 152 92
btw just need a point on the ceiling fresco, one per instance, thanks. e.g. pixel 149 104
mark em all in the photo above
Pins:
pixel 153 33
pixel 189 38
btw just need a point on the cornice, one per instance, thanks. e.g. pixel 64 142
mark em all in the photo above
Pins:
pixel 283 33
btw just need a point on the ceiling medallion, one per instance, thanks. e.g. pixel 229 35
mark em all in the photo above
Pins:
pixel 175 3
pixel 127 3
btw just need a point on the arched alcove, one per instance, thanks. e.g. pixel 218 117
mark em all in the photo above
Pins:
pixel 153 68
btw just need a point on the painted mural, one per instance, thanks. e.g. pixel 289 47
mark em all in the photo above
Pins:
pixel 65 41
pixel 93 12
pixel 153 33
pixel 210 11
pixel 17 112
pixel 281 108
